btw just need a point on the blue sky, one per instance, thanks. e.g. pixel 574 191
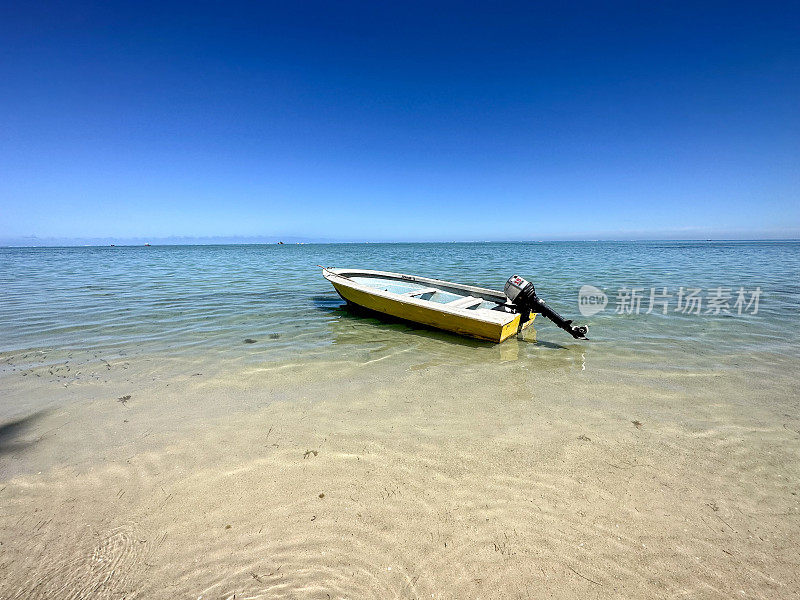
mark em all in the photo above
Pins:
pixel 399 121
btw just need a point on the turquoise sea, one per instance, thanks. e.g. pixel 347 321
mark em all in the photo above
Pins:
pixel 183 300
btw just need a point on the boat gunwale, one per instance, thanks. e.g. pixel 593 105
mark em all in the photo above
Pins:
pixel 342 278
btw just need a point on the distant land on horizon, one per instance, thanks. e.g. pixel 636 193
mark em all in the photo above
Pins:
pixel 39 242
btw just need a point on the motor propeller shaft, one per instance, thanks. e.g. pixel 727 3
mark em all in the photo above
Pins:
pixel 522 294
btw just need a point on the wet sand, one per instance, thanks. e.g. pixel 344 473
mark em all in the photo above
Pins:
pixel 396 479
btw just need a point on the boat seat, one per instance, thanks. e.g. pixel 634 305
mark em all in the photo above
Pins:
pixel 467 302
pixel 420 292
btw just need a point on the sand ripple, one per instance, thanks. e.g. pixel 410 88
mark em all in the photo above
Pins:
pixel 90 565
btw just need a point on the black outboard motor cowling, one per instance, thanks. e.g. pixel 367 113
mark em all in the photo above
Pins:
pixel 523 295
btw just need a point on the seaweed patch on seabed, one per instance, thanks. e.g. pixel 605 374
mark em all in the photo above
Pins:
pixel 124 399
pixel 250 341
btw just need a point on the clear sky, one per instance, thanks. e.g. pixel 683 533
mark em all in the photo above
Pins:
pixel 400 121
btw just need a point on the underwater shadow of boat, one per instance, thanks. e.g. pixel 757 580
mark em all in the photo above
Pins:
pixel 11 431
pixel 353 313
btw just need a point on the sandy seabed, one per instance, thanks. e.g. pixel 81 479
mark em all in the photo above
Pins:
pixel 396 479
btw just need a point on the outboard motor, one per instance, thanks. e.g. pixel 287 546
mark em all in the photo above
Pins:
pixel 523 295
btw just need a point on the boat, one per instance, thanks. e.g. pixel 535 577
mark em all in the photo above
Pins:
pixel 463 309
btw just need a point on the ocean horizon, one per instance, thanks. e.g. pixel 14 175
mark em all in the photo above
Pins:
pixel 311 241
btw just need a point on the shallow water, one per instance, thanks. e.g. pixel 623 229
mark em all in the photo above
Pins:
pixel 147 451
pixel 205 300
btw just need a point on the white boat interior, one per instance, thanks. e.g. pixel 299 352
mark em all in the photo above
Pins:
pixel 463 297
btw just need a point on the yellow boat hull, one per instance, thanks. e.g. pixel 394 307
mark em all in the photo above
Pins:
pixel 456 323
